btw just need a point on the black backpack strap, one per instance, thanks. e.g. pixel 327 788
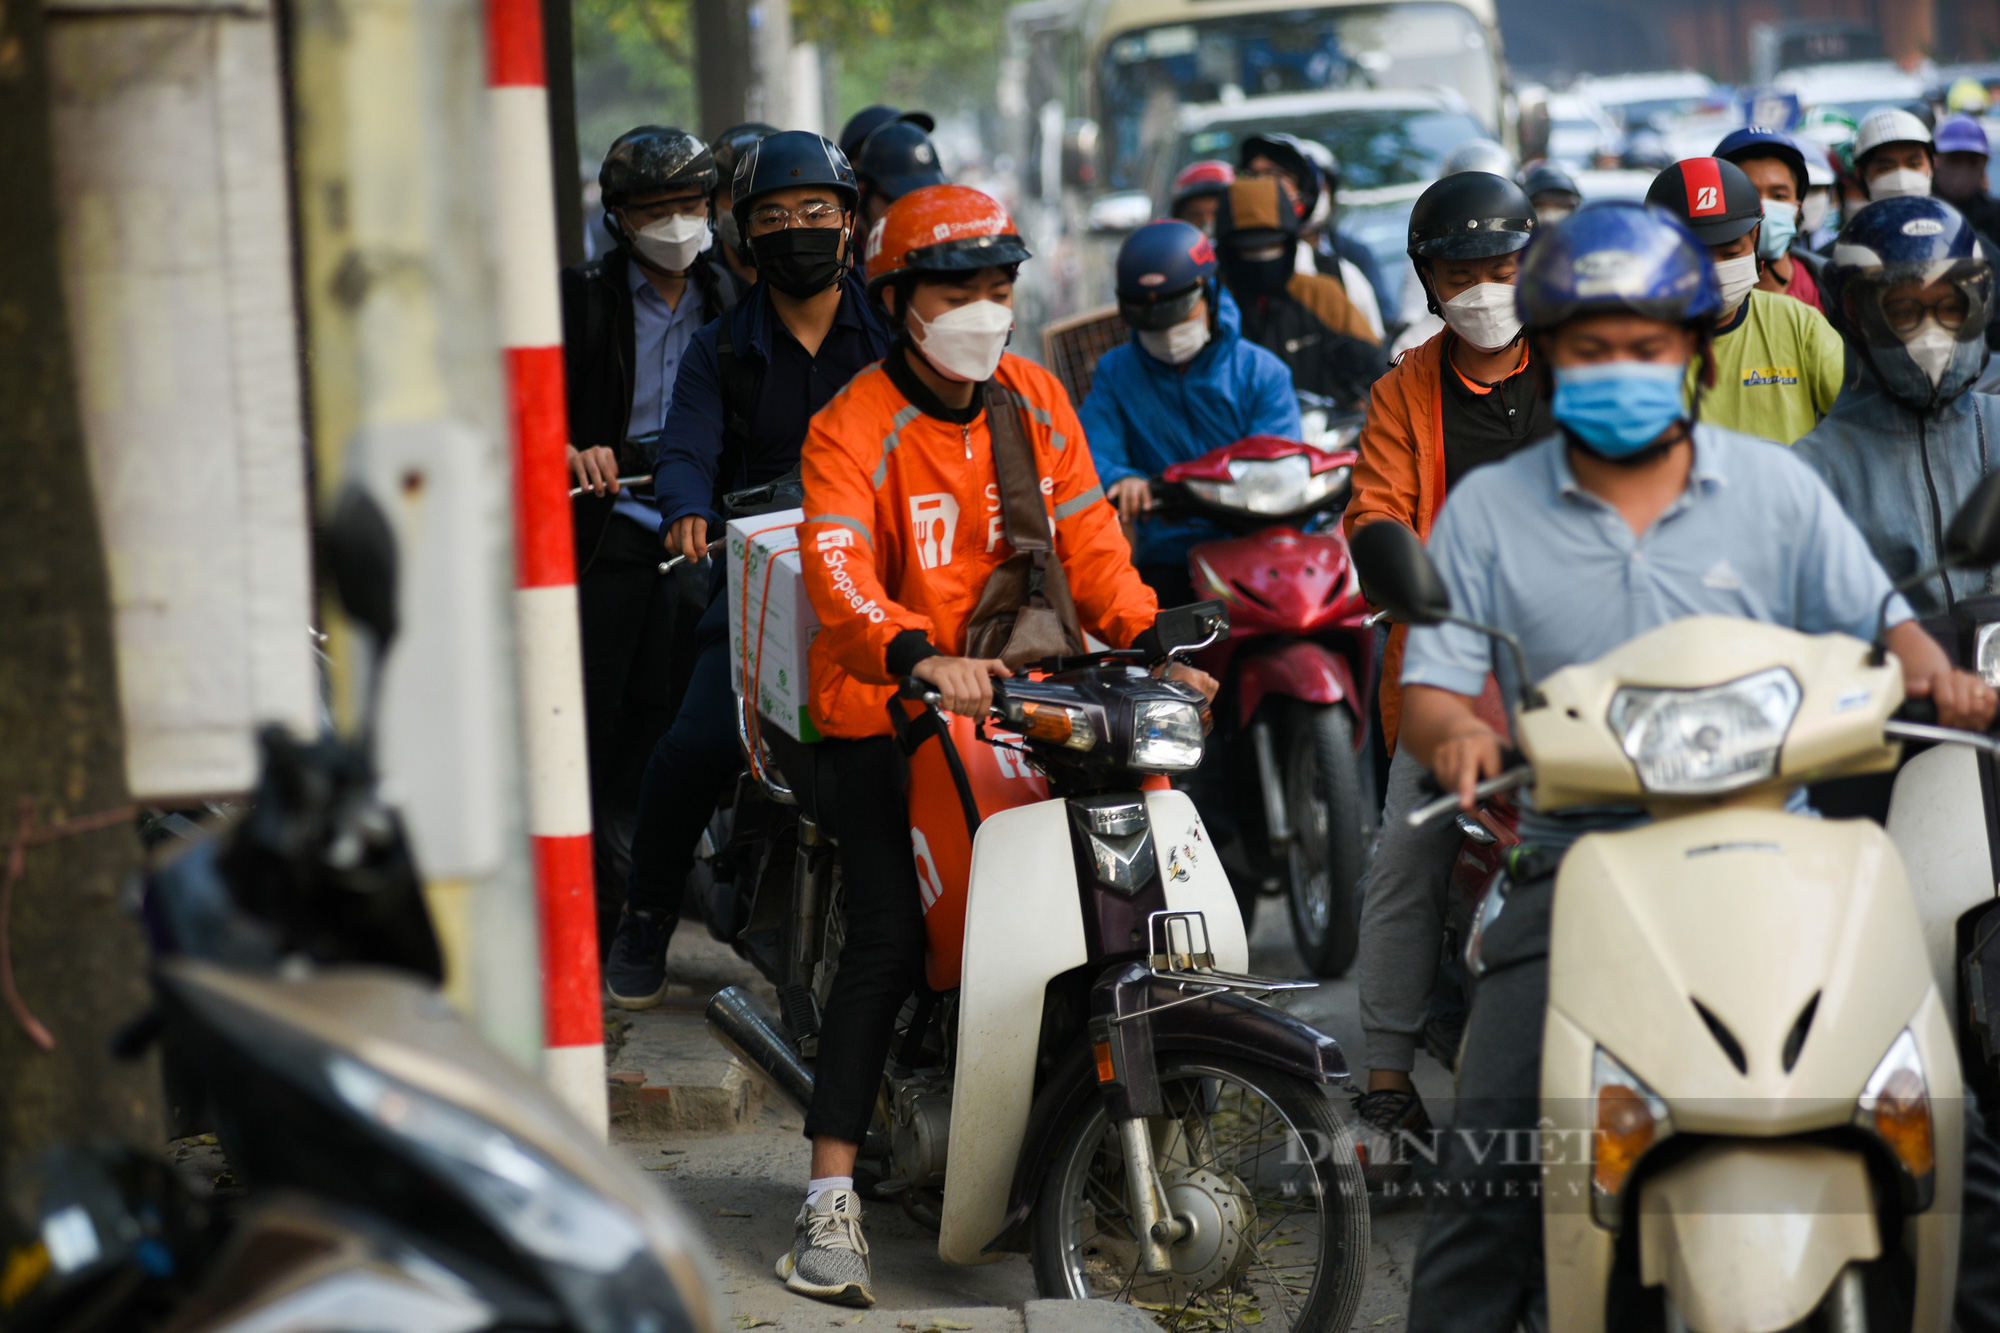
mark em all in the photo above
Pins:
pixel 742 382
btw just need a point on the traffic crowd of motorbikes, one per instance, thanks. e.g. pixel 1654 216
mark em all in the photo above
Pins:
pixel 1654 585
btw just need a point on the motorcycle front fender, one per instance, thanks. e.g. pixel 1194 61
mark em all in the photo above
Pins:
pixel 1303 670
pixel 1225 1024
pixel 1749 1236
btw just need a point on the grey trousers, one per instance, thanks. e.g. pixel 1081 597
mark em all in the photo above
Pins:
pixel 1402 921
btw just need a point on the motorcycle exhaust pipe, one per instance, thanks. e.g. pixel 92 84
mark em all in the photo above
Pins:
pixel 737 1021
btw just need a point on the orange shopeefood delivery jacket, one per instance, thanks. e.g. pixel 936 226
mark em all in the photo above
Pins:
pixel 903 527
pixel 1400 477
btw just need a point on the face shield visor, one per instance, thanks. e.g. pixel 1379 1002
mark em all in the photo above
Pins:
pixel 1922 325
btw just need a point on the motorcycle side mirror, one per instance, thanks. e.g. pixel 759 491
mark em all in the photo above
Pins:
pixel 1398 576
pixel 1973 539
pixel 1186 629
pixel 360 553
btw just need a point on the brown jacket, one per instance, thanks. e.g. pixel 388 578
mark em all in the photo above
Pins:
pixel 1400 476
pixel 1330 304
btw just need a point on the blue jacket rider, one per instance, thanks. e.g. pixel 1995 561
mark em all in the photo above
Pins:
pixel 1188 383
pixel 1911 291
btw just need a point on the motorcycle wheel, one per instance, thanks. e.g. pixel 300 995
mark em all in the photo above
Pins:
pixel 1257 1154
pixel 1331 828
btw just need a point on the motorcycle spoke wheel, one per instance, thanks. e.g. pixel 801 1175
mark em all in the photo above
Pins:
pixel 1266 1175
pixel 1331 827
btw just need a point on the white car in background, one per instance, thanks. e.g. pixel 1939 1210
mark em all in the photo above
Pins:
pixel 1855 88
pixel 1579 131
pixel 1637 99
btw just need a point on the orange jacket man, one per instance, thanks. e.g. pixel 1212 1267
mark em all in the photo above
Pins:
pixel 903 528
pixel 1465 398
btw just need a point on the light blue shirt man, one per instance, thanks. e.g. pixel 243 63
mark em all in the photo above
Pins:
pixel 660 338
pixel 1523 547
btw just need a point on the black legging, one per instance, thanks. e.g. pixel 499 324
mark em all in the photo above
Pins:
pixel 861 790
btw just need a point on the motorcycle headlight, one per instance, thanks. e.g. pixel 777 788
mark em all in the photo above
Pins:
pixel 1702 742
pixel 1895 1106
pixel 538 1206
pixel 1271 485
pixel 1166 736
pixel 1626 1119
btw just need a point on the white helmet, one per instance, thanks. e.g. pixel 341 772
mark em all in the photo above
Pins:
pixel 1479 155
pixel 1887 124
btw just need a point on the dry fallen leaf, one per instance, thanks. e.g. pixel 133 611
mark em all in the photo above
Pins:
pixel 752 1321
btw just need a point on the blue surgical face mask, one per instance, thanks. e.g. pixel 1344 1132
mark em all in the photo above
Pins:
pixel 1781 224
pixel 1618 408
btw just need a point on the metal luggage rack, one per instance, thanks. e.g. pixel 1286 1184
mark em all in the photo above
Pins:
pixel 1171 940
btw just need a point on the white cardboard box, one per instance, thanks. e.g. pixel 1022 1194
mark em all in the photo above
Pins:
pixel 767 593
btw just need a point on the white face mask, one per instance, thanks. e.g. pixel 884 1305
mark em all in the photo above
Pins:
pixel 1176 345
pixel 1931 348
pixel 1735 277
pixel 1484 315
pixel 1900 183
pixel 965 344
pixel 1812 213
pixel 673 241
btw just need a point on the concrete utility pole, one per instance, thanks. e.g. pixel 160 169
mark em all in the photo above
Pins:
pixel 395 212
pixel 72 969
pixel 722 63
pixel 770 98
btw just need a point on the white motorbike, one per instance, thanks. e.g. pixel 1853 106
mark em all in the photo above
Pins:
pixel 1091 1078
pixel 1752 1109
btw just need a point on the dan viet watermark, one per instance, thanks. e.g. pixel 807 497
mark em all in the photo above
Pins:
pixel 1597 1155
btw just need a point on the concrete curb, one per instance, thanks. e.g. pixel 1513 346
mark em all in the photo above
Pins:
pixel 1046 1316
pixel 670 1076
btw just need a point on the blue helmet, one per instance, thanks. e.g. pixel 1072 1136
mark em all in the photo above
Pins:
pixel 896 159
pixel 1163 269
pixel 786 159
pixel 1925 355
pixel 1617 255
pixel 1751 142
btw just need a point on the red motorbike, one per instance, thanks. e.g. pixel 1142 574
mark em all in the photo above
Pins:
pixel 1297 671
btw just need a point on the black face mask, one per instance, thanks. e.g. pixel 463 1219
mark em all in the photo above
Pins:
pixel 1258 277
pixel 800 261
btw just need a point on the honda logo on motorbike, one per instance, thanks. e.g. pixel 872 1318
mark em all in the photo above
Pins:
pixel 935 519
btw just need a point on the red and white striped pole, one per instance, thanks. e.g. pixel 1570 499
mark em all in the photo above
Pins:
pixel 551 656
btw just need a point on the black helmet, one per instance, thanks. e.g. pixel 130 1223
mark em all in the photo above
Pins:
pixel 1548 178
pixel 1289 153
pixel 1468 215
pixel 1713 197
pixel 730 145
pixel 655 157
pixel 896 159
pixel 786 159
pixel 872 118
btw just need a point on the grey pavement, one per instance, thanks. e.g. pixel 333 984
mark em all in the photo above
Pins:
pixel 737 1163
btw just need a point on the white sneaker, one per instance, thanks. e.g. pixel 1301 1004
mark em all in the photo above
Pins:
pixel 829 1255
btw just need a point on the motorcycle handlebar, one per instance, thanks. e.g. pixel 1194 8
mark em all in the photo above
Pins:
pixel 1444 805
